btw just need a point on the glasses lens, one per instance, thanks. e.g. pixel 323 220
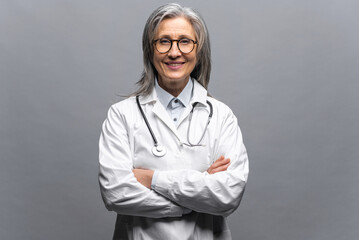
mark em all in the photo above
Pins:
pixel 163 45
pixel 186 45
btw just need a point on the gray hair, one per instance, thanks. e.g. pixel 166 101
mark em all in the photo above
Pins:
pixel 201 71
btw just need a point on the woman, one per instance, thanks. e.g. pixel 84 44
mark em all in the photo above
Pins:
pixel 181 173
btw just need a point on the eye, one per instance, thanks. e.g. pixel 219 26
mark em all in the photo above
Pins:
pixel 165 41
pixel 185 41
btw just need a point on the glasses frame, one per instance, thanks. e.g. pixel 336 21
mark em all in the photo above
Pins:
pixel 175 40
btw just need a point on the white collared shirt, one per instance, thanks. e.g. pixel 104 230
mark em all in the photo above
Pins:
pixel 175 105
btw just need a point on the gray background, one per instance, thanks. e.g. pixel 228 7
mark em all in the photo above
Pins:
pixel 288 69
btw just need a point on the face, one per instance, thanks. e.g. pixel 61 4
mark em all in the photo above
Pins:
pixel 174 67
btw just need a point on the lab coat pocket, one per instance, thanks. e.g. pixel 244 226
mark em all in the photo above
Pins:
pixel 142 153
pixel 198 156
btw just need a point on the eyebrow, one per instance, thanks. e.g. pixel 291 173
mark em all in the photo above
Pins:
pixel 180 36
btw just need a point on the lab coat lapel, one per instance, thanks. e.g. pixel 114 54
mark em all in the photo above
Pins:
pixel 162 114
pixel 199 95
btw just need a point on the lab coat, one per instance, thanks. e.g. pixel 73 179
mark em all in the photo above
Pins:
pixel 182 180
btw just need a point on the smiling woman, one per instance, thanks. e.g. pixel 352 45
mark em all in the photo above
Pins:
pixel 174 66
pixel 186 188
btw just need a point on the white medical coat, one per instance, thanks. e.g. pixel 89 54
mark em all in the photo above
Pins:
pixel 182 180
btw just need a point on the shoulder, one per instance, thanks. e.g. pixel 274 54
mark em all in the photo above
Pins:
pixel 123 104
pixel 122 110
pixel 223 113
pixel 219 106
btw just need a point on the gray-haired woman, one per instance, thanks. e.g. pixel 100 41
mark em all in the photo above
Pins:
pixel 172 160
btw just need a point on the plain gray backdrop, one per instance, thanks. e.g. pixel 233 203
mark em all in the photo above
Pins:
pixel 289 70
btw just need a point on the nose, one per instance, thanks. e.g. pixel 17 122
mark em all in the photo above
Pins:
pixel 174 51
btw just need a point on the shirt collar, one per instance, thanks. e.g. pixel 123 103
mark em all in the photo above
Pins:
pixel 184 97
pixel 199 94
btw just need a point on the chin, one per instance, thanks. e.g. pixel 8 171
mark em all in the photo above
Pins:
pixel 176 77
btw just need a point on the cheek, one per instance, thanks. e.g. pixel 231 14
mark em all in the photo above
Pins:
pixel 193 57
pixel 193 61
pixel 157 62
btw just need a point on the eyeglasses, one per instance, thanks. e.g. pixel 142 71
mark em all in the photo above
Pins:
pixel 164 45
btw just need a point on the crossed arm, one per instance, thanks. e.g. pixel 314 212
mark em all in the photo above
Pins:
pixel 217 191
pixel 144 176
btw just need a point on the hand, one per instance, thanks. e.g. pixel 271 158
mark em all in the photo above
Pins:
pixel 221 164
pixel 144 176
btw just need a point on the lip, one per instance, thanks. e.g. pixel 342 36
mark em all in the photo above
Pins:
pixel 174 65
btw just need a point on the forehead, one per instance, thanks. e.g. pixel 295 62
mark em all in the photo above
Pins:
pixel 175 27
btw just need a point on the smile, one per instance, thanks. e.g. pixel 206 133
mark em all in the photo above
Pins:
pixel 174 65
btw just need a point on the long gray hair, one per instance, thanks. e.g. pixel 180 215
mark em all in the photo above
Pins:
pixel 201 71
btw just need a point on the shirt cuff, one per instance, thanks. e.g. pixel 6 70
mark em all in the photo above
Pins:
pixel 154 179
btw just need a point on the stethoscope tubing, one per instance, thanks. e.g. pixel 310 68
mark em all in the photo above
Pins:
pixel 159 150
pixel 190 121
pixel 146 121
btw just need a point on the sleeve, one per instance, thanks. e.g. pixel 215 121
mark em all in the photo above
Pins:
pixel 216 194
pixel 120 190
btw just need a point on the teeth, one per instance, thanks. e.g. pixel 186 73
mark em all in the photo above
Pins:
pixel 174 64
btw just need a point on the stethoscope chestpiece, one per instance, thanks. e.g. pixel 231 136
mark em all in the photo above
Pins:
pixel 159 151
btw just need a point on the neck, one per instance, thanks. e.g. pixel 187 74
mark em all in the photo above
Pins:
pixel 173 87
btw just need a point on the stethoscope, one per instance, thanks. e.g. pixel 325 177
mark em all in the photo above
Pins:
pixel 159 150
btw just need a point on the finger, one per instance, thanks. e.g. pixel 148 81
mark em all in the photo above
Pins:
pixel 220 158
pixel 220 169
pixel 220 162
pixel 224 165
